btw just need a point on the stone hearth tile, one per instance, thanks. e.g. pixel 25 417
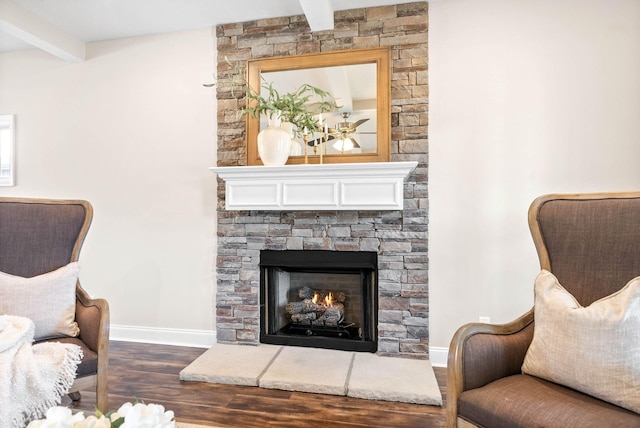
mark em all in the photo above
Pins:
pixel 393 379
pixel 231 364
pixel 321 371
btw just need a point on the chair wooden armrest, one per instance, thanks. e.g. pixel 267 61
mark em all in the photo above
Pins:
pixel 481 353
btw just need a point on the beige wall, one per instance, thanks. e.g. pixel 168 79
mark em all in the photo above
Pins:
pixel 132 130
pixel 526 97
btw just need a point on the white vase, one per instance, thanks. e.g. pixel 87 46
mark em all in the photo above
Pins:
pixel 274 143
pixel 296 149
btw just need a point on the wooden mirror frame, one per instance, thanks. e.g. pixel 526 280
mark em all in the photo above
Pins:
pixel 378 56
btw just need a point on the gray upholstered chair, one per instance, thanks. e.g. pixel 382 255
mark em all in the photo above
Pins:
pixel 591 243
pixel 39 236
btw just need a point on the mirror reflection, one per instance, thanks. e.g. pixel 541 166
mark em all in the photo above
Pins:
pixel 351 128
pixel 6 150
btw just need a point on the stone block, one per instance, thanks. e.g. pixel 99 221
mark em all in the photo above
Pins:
pixel 416 261
pixel 418 332
pixel 317 244
pixel 249 275
pixel 347 217
pixel 255 243
pixel 389 287
pixel 283 38
pixel 283 49
pixel 225 311
pixel 256 229
pixel 302 232
pixel 388 246
pixel 228 323
pixel 419 246
pixel 415 346
pixel 413 52
pixel 415 321
pixel 369 244
pixel 262 51
pixel 370 29
pixel 308 47
pixel 228 261
pixel 413 24
pixel 327 217
pixel 346 29
pixel 393 303
pixel 390 317
pixel 355 15
pixel 388 345
pixel 363 42
pixel 247 312
pixel 224 335
pixel 362 231
pixel 247 335
pixel 279 230
pixel 343 244
pixel 392 275
pixel 392 330
pixel 415 276
pixel 275 243
pixel 339 232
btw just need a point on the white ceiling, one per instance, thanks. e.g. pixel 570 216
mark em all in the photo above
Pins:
pixel 95 20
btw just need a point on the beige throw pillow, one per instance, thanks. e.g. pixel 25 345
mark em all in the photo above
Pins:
pixel 49 300
pixel 595 349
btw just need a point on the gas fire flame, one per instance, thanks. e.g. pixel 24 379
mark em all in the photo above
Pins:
pixel 327 301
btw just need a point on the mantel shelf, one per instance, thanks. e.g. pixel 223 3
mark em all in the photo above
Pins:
pixel 347 186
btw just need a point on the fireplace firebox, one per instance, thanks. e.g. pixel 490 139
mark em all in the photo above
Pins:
pixel 319 299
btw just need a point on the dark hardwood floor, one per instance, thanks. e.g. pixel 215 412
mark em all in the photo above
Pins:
pixel 149 373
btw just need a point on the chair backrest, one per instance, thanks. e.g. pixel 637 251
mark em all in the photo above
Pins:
pixel 590 242
pixel 41 235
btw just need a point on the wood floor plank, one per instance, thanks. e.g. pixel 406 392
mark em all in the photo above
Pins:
pixel 149 372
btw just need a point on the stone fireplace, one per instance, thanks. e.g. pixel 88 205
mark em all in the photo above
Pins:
pixel 397 236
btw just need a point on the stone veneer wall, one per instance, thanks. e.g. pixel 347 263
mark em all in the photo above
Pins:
pixel 399 237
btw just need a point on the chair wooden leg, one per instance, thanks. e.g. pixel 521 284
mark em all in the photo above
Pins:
pixel 102 391
pixel 75 396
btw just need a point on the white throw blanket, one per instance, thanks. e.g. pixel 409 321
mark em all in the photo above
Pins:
pixel 33 378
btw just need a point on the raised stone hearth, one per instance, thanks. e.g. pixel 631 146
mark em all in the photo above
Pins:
pixel 398 235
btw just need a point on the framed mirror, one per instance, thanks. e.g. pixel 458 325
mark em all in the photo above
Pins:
pixel 7 150
pixel 360 81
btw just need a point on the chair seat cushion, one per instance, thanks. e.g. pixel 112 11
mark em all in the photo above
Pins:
pixel 528 401
pixel 89 364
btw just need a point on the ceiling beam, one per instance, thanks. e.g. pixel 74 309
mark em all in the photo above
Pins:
pixel 30 28
pixel 340 90
pixel 319 14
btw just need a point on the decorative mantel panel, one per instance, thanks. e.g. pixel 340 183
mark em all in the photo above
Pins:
pixel 351 186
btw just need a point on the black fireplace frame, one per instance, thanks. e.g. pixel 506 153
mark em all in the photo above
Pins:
pixel 362 262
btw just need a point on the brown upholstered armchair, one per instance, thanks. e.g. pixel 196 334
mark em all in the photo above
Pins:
pixel 590 242
pixel 39 236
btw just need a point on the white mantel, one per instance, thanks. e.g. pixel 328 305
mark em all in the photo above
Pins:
pixel 346 186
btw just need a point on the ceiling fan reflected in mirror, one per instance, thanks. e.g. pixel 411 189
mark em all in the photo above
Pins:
pixel 343 133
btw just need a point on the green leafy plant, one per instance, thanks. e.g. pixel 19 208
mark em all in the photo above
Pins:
pixel 298 107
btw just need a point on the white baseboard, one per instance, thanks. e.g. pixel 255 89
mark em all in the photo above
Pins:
pixel 438 356
pixel 164 336
pixel 206 338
